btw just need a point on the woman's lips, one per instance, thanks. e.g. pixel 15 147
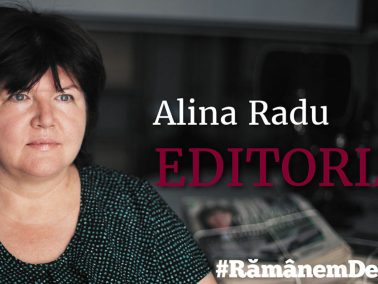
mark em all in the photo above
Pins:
pixel 43 144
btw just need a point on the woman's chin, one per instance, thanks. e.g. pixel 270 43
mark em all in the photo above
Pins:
pixel 45 168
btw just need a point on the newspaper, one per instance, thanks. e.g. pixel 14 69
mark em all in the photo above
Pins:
pixel 271 229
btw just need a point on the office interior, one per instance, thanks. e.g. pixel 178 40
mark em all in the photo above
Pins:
pixel 226 54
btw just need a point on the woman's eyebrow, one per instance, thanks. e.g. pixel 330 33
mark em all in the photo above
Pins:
pixel 73 86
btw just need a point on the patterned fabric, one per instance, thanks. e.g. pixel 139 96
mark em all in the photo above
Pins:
pixel 125 234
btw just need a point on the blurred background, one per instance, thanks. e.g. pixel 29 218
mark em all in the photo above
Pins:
pixel 225 53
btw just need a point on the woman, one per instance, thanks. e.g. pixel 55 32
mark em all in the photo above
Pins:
pixel 62 222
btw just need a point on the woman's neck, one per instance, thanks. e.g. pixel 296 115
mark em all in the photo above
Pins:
pixel 39 201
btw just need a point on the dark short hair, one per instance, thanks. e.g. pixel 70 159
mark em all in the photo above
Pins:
pixel 32 43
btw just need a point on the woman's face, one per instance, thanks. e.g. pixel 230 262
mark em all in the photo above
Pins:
pixel 220 219
pixel 41 131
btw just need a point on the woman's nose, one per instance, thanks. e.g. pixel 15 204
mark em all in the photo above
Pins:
pixel 44 115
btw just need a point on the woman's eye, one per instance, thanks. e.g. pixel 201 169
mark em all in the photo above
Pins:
pixel 65 98
pixel 18 97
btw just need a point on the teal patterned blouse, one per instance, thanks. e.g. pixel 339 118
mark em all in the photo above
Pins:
pixel 125 234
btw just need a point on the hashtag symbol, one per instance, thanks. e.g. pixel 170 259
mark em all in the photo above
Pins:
pixel 222 268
